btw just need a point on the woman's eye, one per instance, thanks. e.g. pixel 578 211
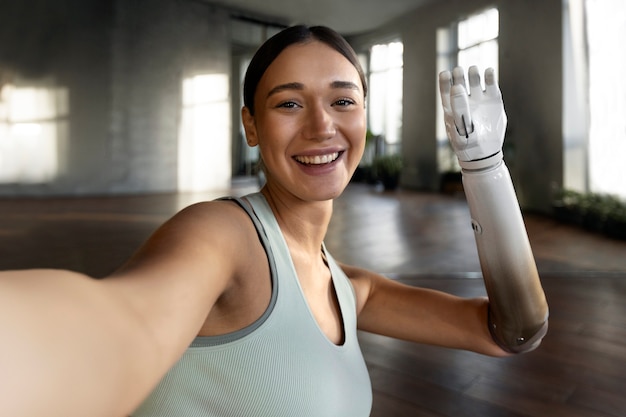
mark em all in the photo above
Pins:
pixel 344 102
pixel 288 105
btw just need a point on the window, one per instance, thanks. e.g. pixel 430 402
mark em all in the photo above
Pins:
pixel 33 123
pixel 478 40
pixel 471 41
pixel 606 31
pixel 204 159
pixel 385 93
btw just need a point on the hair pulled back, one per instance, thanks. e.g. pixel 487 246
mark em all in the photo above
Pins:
pixel 300 34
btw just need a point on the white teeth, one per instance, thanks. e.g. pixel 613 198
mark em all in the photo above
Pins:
pixel 317 159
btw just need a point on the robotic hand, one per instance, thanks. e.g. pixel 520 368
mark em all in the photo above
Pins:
pixel 475 123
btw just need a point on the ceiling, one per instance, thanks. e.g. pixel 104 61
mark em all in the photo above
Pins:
pixel 348 17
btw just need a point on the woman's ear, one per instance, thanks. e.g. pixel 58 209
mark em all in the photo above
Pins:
pixel 249 127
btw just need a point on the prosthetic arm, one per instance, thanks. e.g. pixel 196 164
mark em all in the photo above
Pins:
pixel 475 124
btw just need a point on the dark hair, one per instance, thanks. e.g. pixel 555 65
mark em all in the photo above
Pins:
pixel 268 52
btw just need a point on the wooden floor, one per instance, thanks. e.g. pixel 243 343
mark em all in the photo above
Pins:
pixel 418 238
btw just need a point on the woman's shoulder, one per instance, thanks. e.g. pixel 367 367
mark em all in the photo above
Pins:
pixel 210 231
pixel 221 213
pixel 201 243
pixel 222 222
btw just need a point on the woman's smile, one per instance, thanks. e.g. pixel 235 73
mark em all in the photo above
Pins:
pixel 317 159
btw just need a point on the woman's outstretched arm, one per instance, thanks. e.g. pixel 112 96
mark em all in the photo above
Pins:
pixel 67 342
pixel 75 346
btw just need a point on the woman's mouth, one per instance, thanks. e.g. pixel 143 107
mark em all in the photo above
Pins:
pixel 317 159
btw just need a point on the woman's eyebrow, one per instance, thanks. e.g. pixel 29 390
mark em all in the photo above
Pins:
pixel 299 86
pixel 344 84
pixel 287 86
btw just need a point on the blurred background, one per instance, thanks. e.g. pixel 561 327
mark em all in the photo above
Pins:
pixel 119 97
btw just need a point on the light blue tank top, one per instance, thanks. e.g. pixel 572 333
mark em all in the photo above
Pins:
pixel 282 365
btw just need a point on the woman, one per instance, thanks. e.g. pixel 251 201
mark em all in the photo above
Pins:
pixel 275 316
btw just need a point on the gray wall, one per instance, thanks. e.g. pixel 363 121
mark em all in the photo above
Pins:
pixel 157 44
pixel 532 78
pixel 531 82
pixel 123 64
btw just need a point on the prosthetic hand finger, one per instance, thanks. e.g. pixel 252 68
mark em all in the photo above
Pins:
pixel 445 87
pixel 445 82
pixel 458 76
pixel 491 86
pixel 461 110
pixel 476 89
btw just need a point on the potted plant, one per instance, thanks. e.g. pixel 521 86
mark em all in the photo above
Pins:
pixel 567 206
pixel 615 225
pixel 387 170
pixel 450 177
pixel 596 212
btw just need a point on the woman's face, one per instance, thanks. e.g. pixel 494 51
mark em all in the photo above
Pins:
pixel 310 121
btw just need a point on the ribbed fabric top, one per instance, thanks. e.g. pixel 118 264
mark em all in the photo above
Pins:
pixel 282 365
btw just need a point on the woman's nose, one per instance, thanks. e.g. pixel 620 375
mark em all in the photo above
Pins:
pixel 320 124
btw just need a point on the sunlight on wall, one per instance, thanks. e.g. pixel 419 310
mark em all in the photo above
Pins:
pixel 478 40
pixel 33 122
pixel 385 92
pixel 575 97
pixel 606 31
pixel 204 156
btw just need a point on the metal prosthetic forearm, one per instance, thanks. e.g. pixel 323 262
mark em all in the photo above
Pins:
pixel 518 311
pixel 475 124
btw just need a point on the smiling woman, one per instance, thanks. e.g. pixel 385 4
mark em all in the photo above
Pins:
pixel 307 116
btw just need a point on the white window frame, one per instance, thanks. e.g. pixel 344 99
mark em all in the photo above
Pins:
pixel 469 41
pixel 386 65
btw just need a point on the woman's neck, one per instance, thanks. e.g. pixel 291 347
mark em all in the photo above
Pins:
pixel 302 223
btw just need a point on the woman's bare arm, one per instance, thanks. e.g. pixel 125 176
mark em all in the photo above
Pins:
pixel 421 315
pixel 76 346
pixel 69 345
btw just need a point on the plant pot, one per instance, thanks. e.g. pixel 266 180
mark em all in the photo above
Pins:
pixel 390 182
pixel 615 229
pixel 451 182
pixel 567 214
pixel 387 170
